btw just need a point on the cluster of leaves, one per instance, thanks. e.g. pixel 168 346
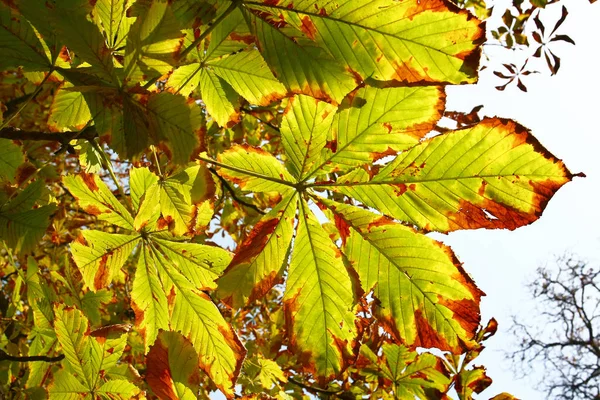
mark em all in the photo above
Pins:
pixel 522 29
pixel 139 135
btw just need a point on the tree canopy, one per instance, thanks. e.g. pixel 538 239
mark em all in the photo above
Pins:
pixel 204 195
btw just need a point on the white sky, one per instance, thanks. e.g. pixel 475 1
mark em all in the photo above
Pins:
pixel 562 113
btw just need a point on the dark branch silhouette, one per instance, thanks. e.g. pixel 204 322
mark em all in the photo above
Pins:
pixel 7 357
pixel 566 340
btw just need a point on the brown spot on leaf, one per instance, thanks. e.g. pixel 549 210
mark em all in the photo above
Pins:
pixel 103 274
pixel 343 227
pixel 92 210
pixel 164 222
pixel 403 72
pixel 331 145
pixel 89 180
pixel 381 221
pixel 24 172
pixel 308 27
pixel 248 39
pixel 388 126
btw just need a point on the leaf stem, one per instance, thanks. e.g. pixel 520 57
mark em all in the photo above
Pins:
pixel 26 103
pixel 234 196
pixel 108 166
pixel 312 388
pixel 156 161
pixel 251 173
pixel 208 30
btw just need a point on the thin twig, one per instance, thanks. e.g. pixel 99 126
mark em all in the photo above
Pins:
pixel 208 30
pixel 234 196
pixel 313 388
pixel 7 357
pixel 62 137
pixel 26 103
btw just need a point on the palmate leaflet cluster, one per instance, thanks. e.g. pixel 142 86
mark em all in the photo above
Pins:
pixel 259 119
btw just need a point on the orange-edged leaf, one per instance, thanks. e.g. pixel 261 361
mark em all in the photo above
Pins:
pixel 95 198
pixel 172 371
pixel 148 298
pixel 100 255
pixel 319 301
pixel 304 128
pixel 413 375
pixel 250 76
pixel 261 259
pixel 297 62
pixel 470 381
pixel 222 102
pixel 254 169
pixel 376 122
pixel 408 41
pixel 424 297
pixel 193 314
pixel 492 175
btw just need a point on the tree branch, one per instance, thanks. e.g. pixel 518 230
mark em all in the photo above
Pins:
pixel 62 137
pixel 7 357
pixel 312 388
pixel 234 196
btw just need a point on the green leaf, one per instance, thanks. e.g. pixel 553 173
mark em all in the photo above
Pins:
pixel 183 200
pixel 304 67
pixel 470 381
pixel 68 17
pixel 319 300
pixel 373 123
pixel 21 47
pixel 91 304
pixel 148 299
pixel 100 255
pixel 185 79
pixel 114 21
pixel 140 180
pixel 412 374
pixel 254 169
pixel 66 387
pixel 175 120
pixel 198 319
pixel 304 128
pixel 96 199
pixel 230 36
pixel 69 111
pixel 249 75
pixel 261 259
pixel 117 388
pixel 11 157
pixel 173 367
pixel 152 43
pixel 379 39
pixel 22 227
pixel 492 175
pixel 71 328
pixel 222 102
pixel 201 264
pixel 424 297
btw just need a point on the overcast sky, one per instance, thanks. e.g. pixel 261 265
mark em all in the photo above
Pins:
pixel 562 112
